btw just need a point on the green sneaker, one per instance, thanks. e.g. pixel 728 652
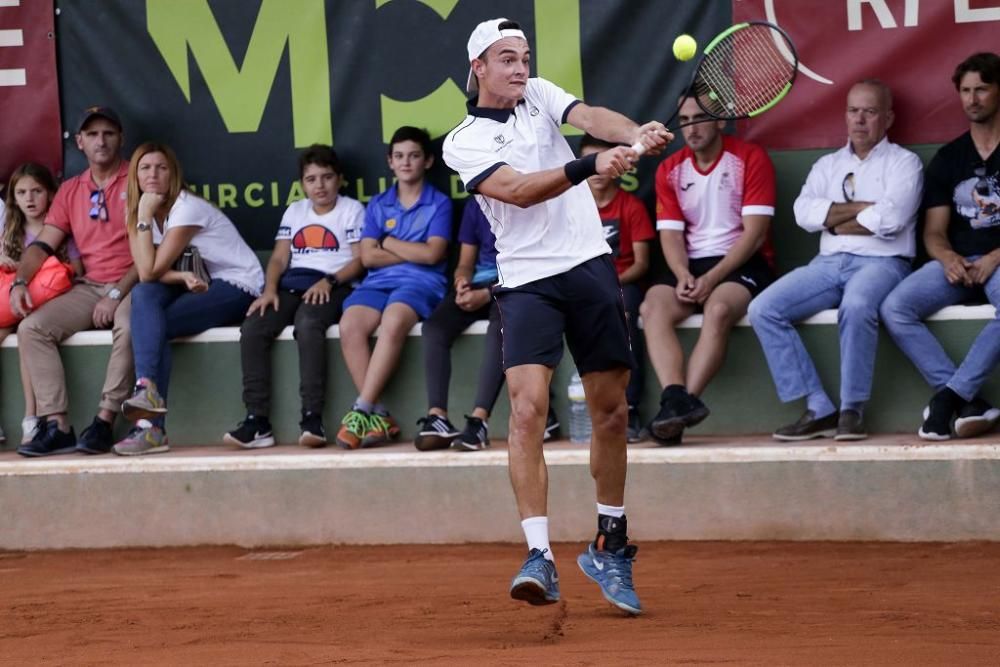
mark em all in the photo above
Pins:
pixel 142 439
pixel 353 427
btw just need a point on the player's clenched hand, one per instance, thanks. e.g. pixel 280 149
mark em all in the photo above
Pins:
pixel 615 161
pixel 654 136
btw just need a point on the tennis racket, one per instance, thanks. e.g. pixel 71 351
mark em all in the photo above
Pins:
pixel 742 73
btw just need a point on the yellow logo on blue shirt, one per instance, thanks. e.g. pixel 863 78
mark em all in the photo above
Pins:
pixel 390 223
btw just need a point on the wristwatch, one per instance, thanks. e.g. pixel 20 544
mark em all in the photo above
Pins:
pixel 114 294
pixel 18 282
pixel 142 226
pixel 332 279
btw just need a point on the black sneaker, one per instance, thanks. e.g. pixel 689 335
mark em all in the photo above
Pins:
pixel 312 432
pixel 551 426
pixel 976 418
pixel 475 437
pixel 668 423
pixel 937 422
pixel 50 441
pixel 634 431
pixel 96 438
pixel 695 411
pixel 251 433
pixel 436 432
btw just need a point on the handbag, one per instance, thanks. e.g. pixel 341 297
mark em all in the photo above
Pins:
pixel 191 261
pixel 52 279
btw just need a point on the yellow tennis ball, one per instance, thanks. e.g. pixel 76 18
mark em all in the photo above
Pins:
pixel 685 47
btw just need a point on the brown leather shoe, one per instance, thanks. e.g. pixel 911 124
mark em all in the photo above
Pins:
pixel 850 426
pixel 808 427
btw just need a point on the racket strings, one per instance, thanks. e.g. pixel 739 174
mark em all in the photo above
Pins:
pixel 743 73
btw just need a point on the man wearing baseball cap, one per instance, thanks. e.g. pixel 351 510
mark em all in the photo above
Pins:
pixel 89 207
pixel 556 278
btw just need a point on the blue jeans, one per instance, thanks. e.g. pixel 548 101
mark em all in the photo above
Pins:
pixel 161 312
pixel 924 293
pixel 856 285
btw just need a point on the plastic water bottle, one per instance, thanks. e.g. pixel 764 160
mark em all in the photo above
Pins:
pixel 579 417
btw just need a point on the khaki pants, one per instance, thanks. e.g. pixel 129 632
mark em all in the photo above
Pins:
pixel 39 335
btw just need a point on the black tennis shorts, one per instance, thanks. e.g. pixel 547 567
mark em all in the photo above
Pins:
pixel 584 304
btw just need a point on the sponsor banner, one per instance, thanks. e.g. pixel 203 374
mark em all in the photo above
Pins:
pixel 911 45
pixel 238 87
pixel 29 91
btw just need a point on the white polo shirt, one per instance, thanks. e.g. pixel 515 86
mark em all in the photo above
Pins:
pixel 548 238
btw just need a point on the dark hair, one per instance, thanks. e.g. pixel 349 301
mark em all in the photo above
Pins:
pixel 985 63
pixel 12 239
pixel 410 133
pixel 321 156
pixel 591 141
pixel 506 25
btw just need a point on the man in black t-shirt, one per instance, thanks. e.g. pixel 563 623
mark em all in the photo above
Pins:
pixel 962 236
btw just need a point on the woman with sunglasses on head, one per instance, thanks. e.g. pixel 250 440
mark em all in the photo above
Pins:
pixel 29 193
pixel 165 220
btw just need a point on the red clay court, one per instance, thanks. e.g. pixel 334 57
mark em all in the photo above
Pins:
pixel 745 603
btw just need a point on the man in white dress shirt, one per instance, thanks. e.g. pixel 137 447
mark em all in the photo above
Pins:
pixel 863 199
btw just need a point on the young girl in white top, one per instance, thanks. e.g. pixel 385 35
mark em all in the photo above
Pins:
pixel 164 219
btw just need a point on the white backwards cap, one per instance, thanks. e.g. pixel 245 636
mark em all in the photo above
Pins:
pixel 483 37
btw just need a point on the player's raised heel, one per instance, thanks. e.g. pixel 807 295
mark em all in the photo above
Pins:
pixel 613 573
pixel 538 582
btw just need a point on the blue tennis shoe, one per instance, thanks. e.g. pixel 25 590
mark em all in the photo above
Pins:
pixel 537 583
pixel 613 573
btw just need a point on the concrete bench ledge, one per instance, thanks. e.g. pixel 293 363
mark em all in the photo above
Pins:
pixel 232 334
pixel 890 487
pixel 745 449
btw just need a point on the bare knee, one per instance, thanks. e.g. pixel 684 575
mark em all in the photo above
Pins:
pixel 610 418
pixel 720 315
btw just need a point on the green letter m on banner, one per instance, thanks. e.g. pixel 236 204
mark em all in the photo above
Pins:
pixel 241 93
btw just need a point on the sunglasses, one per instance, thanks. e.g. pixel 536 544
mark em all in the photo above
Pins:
pixel 98 206
pixel 847 187
pixel 982 185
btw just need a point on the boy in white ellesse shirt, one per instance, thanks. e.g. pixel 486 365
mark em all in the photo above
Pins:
pixel 314 262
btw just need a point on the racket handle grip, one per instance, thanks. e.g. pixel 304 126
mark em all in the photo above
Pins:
pixel 639 147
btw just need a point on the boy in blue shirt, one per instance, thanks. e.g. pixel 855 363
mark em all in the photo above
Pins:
pixel 403 246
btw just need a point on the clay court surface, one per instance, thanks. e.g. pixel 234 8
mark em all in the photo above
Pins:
pixel 707 603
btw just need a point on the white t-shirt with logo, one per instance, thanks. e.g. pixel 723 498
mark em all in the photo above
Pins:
pixel 548 238
pixel 322 242
pixel 226 255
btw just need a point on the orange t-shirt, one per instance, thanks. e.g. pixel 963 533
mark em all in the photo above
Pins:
pixel 102 239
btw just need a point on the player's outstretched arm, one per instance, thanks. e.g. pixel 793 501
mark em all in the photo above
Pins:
pixel 613 127
pixel 513 187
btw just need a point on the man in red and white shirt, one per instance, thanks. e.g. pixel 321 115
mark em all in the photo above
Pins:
pixel 714 203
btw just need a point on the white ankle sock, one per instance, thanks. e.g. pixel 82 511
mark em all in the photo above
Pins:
pixel 611 510
pixel 536 532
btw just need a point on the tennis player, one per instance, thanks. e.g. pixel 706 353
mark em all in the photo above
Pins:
pixel 556 277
